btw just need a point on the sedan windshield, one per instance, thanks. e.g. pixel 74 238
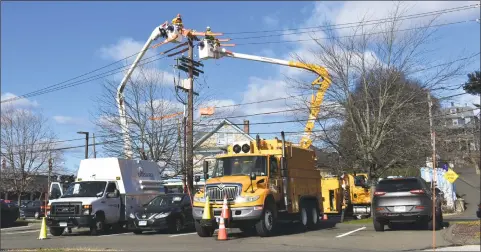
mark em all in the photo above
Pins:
pixel 240 166
pixel 165 200
pixel 85 189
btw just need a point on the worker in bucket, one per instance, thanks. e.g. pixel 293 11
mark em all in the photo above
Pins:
pixel 211 39
pixel 177 22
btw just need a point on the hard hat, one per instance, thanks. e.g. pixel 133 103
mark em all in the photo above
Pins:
pixel 208 28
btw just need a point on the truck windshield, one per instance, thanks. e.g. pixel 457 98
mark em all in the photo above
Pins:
pixel 85 189
pixel 240 166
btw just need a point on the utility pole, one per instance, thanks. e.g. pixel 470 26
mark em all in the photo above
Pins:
pixel 190 125
pixel 188 65
pixel 86 142
pixel 47 194
pixel 93 140
pixel 433 180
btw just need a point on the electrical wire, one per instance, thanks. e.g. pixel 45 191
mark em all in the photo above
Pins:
pixel 44 90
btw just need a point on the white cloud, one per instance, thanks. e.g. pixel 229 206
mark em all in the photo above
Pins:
pixel 125 47
pixel 68 120
pixel 265 89
pixel 271 20
pixel 20 103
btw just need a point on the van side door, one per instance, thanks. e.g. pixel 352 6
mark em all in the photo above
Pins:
pixel 112 203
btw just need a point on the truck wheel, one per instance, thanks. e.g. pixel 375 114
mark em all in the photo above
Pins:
pixel 265 226
pixel 203 231
pixel 313 220
pixel 305 216
pixel 56 231
pixel 99 226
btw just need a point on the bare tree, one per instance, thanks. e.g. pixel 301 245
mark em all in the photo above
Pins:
pixel 27 145
pixel 147 95
pixel 380 77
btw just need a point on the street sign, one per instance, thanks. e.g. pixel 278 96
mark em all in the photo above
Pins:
pixel 451 176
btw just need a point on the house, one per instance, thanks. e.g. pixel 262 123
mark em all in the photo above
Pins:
pixel 214 141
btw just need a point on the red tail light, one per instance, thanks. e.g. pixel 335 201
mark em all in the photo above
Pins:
pixel 378 193
pixel 417 191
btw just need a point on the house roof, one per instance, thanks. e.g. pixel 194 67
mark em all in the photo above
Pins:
pixel 205 136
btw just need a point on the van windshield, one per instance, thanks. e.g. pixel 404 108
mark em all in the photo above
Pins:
pixel 85 189
pixel 240 166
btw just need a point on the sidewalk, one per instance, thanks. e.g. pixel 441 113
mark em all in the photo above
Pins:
pixel 458 248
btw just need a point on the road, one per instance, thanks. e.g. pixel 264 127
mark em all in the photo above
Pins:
pixel 468 187
pixel 330 236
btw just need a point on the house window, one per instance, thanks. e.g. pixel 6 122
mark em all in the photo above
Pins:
pixel 452 111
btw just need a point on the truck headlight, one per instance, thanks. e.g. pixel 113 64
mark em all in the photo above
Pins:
pixel 241 199
pixel 162 215
pixel 86 209
pixel 132 216
pixel 200 199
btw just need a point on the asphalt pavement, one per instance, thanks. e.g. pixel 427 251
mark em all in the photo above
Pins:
pixel 330 236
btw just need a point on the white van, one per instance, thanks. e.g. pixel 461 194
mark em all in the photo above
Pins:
pixel 106 192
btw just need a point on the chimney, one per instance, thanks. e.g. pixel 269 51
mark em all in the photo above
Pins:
pixel 246 126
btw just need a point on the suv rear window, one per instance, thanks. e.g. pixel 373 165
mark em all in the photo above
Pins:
pixel 398 185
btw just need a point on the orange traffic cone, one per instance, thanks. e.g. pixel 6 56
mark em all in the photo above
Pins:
pixel 222 234
pixel 225 210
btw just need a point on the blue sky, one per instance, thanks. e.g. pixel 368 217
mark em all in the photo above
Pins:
pixel 43 43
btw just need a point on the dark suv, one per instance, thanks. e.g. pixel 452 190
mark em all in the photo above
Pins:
pixel 404 200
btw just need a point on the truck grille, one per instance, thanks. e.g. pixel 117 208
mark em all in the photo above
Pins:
pixel 66 209
pixel 217 192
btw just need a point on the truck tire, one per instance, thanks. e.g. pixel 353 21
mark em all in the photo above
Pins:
pixel 56 231
pixel 203 231
pixel 98 225
pixel 313 219
pixel 266 225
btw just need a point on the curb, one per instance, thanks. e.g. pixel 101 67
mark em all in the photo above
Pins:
pixel 458 241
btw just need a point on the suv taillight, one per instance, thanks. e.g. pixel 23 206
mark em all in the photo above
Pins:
pixel 417 191
pixel 379 193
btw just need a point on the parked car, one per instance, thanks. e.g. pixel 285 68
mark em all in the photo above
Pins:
pixel 169 211
pixel 34 208
pixel 405 200
pixel 9 213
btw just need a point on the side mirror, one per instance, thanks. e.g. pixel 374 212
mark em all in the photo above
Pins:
pixel 197 179
pixel 114 194
pixel 253 176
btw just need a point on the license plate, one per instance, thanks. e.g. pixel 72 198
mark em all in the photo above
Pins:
pixel 142 223
pixel 399 209
pixel 63 224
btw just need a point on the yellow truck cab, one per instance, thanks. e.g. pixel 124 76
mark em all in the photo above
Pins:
pixel 264 181
pixel 360 196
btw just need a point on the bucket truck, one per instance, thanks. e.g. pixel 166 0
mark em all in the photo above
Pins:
pixel 264 180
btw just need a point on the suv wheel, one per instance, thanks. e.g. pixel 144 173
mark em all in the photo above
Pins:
pixel 378 226
pixel 56 231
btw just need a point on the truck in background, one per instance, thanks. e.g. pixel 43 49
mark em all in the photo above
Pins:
pixel 106 192
pixel 264 181
pixel 350 193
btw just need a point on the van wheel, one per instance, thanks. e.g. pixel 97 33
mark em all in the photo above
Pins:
pixel 265 226
pixel 203 231
pixel 99 226
pixel 56 231
pixel 378 226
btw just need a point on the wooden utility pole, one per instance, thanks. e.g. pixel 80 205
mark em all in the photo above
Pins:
pixel 433 180
pixel 190 120
pixel 47 194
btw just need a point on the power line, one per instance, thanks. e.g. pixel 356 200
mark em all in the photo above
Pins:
pixel 360 22
pixel 352 25
pixel 44 90
pixel 350 36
